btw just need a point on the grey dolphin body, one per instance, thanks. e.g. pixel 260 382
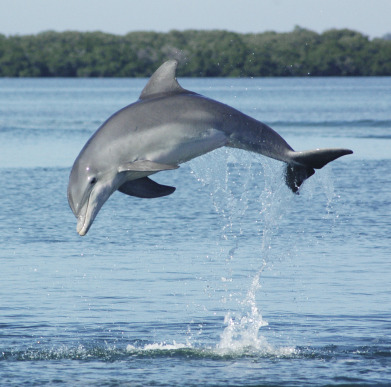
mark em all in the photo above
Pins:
pixel 168 126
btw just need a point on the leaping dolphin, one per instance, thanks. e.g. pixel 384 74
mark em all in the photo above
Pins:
pixel 168 126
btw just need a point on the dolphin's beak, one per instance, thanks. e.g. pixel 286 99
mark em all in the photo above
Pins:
pixel 92 206
pixel 87 215
pixel 84 221
pixel 80 212
pixel 82 226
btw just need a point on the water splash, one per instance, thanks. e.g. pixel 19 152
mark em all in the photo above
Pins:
pixel 247 190
pixel 159 347
pixel 229 175
pixel 243 332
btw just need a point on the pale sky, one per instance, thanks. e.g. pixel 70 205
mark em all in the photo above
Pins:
pixel 370 17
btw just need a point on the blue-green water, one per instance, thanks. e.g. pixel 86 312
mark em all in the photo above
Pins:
pixel 232 280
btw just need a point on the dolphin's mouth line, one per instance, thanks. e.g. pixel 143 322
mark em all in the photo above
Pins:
pixel 81 219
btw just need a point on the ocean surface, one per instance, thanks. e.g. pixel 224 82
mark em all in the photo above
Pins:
pixel 232 280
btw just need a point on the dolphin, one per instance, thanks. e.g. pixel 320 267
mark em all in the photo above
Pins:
pixel 167 126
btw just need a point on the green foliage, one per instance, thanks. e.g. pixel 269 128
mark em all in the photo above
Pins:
pixel 202 53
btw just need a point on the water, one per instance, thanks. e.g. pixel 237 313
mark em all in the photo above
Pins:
pixel 232 280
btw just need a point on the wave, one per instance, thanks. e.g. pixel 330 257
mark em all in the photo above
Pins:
pixel 38 131
pixel 135 350
pixel 364 123
pixel 164 350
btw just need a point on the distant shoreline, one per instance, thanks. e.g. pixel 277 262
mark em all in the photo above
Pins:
pixel 201 54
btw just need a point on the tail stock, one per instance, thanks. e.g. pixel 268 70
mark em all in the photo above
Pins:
pixel 303 164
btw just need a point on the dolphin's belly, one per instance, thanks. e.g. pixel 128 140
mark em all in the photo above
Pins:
pixel 177 143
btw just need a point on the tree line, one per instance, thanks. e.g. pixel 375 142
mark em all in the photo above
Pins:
pixel 216 53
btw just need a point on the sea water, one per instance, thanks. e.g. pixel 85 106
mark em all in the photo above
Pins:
pixel 232 280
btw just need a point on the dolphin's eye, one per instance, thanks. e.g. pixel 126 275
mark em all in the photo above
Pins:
pixel 93 181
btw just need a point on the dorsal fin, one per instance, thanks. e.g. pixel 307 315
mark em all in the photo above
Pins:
pixel 163 81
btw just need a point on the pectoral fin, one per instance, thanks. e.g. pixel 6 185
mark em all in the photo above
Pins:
pixel 145 188
pixel 145 166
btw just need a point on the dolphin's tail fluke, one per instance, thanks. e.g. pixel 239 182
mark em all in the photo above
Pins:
pixel 303 164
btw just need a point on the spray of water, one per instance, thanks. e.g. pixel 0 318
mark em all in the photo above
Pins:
pixel 233 181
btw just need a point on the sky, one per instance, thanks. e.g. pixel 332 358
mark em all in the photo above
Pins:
pixel 21 17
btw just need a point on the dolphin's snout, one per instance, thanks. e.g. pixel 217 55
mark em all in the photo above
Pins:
pixel 83 225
